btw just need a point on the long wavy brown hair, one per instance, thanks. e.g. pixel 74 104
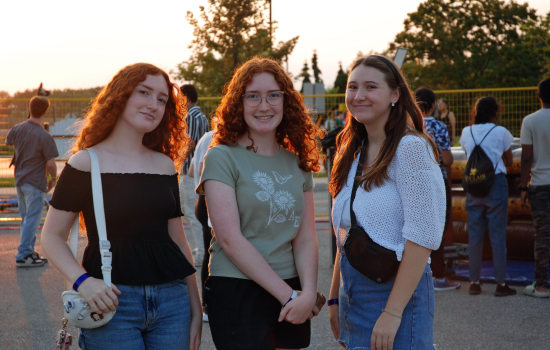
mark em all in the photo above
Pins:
pixel 404 118
pixel 168 137
pixel 296 132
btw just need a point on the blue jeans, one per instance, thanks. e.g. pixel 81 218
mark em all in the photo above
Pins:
pixel 154 317
pixel 31 202
pixel 361 301
pixel 492 211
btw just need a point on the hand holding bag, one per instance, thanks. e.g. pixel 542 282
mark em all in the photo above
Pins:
pixel 77 310
pixel 365 255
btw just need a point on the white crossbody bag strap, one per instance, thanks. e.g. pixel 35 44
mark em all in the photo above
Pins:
pixel 104 244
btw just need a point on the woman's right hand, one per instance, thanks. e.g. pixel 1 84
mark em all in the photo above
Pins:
pixel 100 297
pixel 334 317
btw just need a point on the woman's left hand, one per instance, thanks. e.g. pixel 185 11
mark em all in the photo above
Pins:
pixel 195 331
pixel 384 332
pixel 300 309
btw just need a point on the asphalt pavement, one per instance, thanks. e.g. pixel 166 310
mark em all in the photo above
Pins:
pixel 31 308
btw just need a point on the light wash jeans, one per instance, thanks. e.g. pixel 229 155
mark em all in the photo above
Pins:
pixel 154 317
pixel 361 301
pixel 31 202
pixel 492 211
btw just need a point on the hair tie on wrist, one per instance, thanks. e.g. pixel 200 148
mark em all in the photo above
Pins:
pixel 384 310
pixel 332 302
pixel 294 295
pixel 79 281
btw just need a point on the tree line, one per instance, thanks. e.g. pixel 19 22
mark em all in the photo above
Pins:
pixel 453 44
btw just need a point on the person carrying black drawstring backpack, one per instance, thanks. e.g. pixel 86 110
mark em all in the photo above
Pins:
pixel 487 191
pixel 479 173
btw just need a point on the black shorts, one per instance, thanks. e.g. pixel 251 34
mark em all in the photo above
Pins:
pixel 243 315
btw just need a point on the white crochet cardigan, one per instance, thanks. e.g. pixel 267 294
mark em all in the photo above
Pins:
pixel 410 206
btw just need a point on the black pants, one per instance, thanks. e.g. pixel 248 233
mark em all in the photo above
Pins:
pixel 201 214
pixel 438 256
pixel 539 196
pixel 243 316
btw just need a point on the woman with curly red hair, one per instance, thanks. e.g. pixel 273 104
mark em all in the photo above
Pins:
pixel 135 125
pixel 258 183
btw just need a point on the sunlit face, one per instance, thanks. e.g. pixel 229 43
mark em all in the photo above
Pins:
pixel 368 96
pixel 145 107
pixel 265 118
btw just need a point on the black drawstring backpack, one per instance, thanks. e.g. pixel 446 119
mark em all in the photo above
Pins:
pixel 479 173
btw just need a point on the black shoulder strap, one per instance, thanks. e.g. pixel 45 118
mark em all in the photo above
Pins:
pixel 358 173
pixel 487 134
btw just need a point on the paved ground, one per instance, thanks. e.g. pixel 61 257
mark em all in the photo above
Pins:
pixel 31 310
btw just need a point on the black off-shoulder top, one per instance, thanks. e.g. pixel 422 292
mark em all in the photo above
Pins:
pixel 137 209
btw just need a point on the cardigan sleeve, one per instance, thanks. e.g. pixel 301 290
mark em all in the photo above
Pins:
pixel 422 191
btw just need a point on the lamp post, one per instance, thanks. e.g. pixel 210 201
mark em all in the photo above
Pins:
pixel 270 27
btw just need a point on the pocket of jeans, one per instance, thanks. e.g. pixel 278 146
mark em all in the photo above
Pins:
pixel 344 271
pixel 431 293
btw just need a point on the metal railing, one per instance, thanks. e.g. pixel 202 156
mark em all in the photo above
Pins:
pixel 516 104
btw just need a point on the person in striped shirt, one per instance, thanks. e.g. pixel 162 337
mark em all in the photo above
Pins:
pixel 197 126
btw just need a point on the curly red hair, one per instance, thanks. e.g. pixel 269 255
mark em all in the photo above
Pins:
pixel 296 132
pixel 169 137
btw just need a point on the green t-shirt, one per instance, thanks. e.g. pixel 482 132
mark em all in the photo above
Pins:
pixel 270 196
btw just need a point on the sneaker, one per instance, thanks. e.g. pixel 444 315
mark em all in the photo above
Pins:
pixel 35 255
pixel 29 261
pixel 475 289
pixel 446 284
pixel 504 290
pixel 533 292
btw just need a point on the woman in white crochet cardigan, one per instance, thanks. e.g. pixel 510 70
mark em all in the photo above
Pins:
pixel 400 203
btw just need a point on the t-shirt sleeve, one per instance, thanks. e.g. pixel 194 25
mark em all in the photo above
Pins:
pixel 308 184
pixel 9 137
pixel 176 193
pixel 442 138
pixel 507 140
pixel 463 140
pixel 73 190
pixel 526 137
pixel 422 191
pixel 49 148
pixel 219 166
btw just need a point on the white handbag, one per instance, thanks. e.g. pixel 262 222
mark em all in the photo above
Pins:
pixel 77 310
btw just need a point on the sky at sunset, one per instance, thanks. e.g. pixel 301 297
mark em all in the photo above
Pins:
pixel 74 44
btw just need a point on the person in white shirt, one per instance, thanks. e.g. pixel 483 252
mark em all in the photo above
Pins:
pixel 400 203
pixel 201 213
pixel 492 209
pixel 535 161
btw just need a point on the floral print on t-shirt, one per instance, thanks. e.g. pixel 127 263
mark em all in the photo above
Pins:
pixel 279 201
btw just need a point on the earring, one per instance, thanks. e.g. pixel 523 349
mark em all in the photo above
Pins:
pixel 393 104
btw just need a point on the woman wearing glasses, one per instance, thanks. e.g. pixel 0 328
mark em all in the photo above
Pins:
pixel 258 183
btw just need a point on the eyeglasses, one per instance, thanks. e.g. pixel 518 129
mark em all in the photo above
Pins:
pixel 273 98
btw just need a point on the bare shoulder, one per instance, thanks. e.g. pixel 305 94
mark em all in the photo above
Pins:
pixel 81 161
pixel 163 164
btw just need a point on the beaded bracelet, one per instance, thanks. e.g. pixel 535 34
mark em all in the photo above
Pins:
pixel 79 281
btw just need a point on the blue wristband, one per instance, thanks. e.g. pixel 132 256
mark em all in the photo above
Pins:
pixel 332 302
pixel 79 281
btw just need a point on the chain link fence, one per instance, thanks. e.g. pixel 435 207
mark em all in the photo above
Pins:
pixel 63 113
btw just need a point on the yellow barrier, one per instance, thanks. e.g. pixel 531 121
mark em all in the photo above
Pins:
pixel 516 104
